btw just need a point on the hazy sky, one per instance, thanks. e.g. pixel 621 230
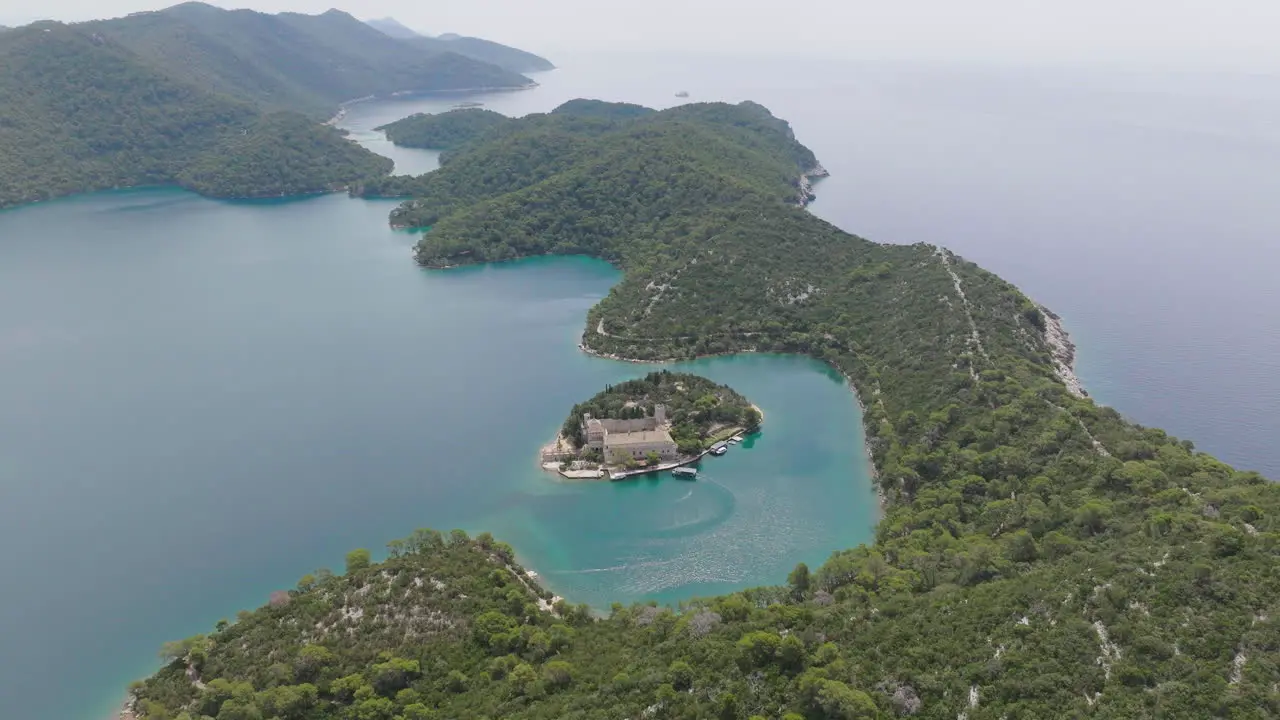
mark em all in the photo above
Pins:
pixel 1238 34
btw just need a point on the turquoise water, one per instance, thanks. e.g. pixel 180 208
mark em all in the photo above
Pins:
pixel 203 401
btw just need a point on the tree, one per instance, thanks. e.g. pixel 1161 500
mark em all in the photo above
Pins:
pixel 395 548
pixel 791 653
pixel 522 679
pixel 311 660
pixel 347 688
pixel 799 580
pixel 456 681
pixel 1021 547
pixel 680 675
pixel 394 674
pixel 557 674
pixel 234 709
pixel 759 648
pixel 834 699
pixel 289 702
pixel 358 560
pixel 751 420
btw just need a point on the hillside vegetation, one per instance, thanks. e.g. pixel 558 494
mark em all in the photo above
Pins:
pixel 196 95
pixel 80 113
pixel 1039 555
pixel 443 131
pixel 281 154
pixel 291 61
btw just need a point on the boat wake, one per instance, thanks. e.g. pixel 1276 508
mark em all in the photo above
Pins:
pixel 615 568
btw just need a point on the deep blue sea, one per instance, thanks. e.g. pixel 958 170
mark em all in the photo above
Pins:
pixel 204 400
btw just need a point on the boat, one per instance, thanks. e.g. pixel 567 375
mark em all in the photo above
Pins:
pixel 469 104
pixel 735 440
pixel 719 448
pixel 685 473
pixel 682 94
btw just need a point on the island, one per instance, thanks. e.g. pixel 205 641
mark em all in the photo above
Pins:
pixel 1038 555
pixel 663 421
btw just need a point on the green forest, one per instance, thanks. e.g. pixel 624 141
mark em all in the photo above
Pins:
pixel 444 131
pixel 203 97
pixel 291 61
pixel 696 408
pixel 1039 556
pixel 281 154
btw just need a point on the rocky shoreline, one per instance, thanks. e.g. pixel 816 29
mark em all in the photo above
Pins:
pixel 1063 352
pixel 805 183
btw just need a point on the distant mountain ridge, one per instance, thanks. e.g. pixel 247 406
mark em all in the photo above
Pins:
pixel 392 27
pixel 290 61
pixel 504 56
pixel 225 102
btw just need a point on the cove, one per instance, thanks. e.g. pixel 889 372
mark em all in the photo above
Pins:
pixel 205 400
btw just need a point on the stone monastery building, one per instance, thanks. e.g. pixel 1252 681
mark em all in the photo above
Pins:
pixel 622 440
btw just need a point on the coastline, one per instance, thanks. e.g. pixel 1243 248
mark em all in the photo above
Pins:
pixel 1063 352
pixel 342 106
pixel 805 183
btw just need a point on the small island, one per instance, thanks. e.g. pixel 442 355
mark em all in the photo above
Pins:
pixel 663 421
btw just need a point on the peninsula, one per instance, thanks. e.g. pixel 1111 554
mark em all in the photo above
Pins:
pixel 659 422
pixel 1039 554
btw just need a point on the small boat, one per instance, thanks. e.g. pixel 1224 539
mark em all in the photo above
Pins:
pixel 719 448
pixel 469 104
pixel 735 440
pixel 685 473
pixel 682 94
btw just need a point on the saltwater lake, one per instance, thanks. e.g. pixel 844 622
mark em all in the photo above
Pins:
pixel 205 400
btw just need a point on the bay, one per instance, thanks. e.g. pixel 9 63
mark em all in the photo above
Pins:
pixel 204 400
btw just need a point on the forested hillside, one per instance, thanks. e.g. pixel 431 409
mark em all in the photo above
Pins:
pixel 281 154
pixel 290 61
pixel 80 113
pixel 1039 555
pixel 443 131
pixel 140 99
